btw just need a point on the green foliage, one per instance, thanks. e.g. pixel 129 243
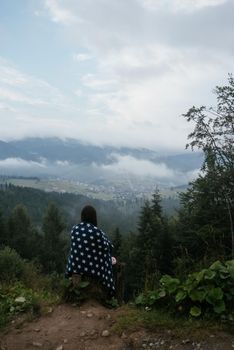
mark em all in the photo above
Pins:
pixel 11 265
pixel 16 298
pixel 207 292
pixel 54 244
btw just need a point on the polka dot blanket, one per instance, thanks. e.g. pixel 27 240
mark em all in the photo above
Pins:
pixel 90 255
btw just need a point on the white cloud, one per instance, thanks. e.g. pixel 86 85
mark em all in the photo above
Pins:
pixel 16 163
pixel 82 57
pixel 147 62
pixel 129 165
pixel 180 5
pixel 59 13
pixel 140 167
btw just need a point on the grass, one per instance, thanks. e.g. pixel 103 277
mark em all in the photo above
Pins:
pixel 131 319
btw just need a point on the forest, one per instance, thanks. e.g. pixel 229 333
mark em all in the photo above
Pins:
pixel 182 263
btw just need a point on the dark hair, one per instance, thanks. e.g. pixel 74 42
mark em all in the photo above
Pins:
pixel 89 215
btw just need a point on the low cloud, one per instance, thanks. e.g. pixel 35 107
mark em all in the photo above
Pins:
pixel 139 167
pixel 19 163
pixel 124 165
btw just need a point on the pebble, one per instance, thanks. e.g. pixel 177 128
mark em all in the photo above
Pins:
pixel 123 336
pixel 105 333
pixel 36 344
pixel 60 347
pixel 36 329
pixel 82 334
pixel 65 341
pixel 89 315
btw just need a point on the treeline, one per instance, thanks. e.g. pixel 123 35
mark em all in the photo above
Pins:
pixel 47 247
pixel 110 213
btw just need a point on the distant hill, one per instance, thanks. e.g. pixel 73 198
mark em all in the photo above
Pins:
pixel 54 149
pixel 95 164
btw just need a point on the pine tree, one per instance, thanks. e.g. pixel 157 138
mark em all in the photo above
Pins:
pixel 117 242
pixel 21 232
pixel 3 231
pixel 54 243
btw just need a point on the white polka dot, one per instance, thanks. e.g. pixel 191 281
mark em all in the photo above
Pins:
pixel 83 261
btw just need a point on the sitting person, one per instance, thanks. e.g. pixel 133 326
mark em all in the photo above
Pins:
pixel 90 254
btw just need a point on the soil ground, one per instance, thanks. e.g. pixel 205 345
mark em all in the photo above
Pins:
pixel 90 327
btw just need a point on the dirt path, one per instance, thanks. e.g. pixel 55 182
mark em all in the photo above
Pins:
pixel 90 328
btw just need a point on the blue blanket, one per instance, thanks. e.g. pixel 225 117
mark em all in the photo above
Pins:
pixel 90 255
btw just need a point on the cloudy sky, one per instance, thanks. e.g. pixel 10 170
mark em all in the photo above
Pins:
pixel 117 72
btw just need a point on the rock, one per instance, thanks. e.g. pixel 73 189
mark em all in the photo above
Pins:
pixel 108 316
pixel 60 347
pixel 37 330
pixel 36 344
pixel 185 341
pixel 20 300
pixel 123 336
pixel 49 310
pixel 65 341
pixel 105 333
pixel 82 334
pixel 89 315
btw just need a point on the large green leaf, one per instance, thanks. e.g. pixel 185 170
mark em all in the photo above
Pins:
pixel 195 311
pixel 198 295
pixel 209 274
pixel 214 295
pixel 181 295
pixel 220 307
pixel 170 284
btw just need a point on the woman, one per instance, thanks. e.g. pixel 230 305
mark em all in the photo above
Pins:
pixel 90 253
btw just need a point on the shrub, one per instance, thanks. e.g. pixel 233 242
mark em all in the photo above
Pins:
pixel 11 265
pixel 207 292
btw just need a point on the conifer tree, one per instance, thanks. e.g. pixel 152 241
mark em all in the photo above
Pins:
pixel 3 231
pixel 54 243
pixel 20 232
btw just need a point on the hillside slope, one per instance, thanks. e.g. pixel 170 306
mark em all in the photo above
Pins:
pixel 93 327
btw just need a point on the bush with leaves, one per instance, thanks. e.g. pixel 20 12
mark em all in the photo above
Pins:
pixel 208 292
pixel 11 265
